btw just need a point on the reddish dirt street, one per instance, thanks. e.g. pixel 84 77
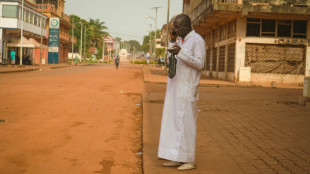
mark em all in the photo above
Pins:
pixel 84 119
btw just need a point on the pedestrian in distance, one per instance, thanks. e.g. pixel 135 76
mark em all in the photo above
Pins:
pixel 12 57
pixel 75 60
pixel 178 127
pixel 147 57
pixel 116 62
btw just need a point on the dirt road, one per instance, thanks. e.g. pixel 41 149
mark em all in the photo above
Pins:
pixel 80 120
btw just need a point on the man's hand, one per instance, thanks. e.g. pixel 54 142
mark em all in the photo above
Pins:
pixel 176 49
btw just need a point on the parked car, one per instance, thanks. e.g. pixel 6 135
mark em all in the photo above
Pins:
pixel 161 61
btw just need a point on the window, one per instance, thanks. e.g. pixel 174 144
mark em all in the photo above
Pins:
pixel 31 18
pixel 253 27
pixel 231 30
pixel 215 35
pixel 36 20
pixel 299 29
pixel 284 28
pixel 223 32
pixel 10 11
pixel 25 15
pixel 268 27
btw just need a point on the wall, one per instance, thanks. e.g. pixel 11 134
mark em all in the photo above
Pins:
pixel 308 51
pixel 279 78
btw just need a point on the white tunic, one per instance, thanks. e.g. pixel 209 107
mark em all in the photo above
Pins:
pixel 178 128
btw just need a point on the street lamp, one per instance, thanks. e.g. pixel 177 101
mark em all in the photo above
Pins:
pixel 85 41
pixel 167 36
pixel 103 48
pixel 21 35
pixel 73 25
pixel 41 52
pixel 150 49
pixel 81 41
pixel 155 29
pixel 150 34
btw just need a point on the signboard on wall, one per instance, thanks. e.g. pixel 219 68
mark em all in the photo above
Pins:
pixel 53 41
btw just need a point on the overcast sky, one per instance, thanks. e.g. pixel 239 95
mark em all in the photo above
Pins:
pixel 126 18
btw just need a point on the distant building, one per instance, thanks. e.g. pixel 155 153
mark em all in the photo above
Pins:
pixel 10 30
pixel 112 47
pixel 256 40
pixel 56 8
pixel 93 52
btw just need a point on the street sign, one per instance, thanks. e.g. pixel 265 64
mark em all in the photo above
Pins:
pixel 53 41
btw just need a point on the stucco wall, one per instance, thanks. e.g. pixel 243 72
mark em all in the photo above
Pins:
pixel 278 78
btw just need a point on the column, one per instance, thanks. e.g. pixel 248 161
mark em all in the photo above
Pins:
pixel 240 45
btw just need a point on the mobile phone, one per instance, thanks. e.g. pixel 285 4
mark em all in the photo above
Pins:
pixel 174 33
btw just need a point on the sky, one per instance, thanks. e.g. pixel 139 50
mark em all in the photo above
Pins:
pixel 125 18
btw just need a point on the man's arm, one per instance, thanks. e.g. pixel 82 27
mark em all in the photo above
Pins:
pixel 196 58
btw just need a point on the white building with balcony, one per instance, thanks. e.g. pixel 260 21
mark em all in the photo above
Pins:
pixel 10 26
pixel 254 40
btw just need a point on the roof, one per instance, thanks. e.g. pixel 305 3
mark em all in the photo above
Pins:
pixel 92 50
pixel 26 43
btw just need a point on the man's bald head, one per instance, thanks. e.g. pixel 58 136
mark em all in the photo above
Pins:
pixel 184 20
pixel 182 24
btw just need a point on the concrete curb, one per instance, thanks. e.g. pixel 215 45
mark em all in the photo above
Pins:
pixel 16 71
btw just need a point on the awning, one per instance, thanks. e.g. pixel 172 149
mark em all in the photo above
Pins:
pixel 36 44
pixel 26 43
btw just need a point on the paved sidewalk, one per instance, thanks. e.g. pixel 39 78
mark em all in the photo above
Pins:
pixel 239 130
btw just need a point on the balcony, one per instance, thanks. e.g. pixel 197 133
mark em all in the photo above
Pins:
pixel 49 8
pixel 66 37
pixel 66 17
pixel 209 14
pixel 208 6
pixel 46 8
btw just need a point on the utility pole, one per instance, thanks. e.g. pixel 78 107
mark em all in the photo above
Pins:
pixel 155 30
pixel 150 49
pixel 167 36
pixel 81 47
pixel 72 38
pixel 102 48
pixel 41 32
pixel 21 36
pixel 85 40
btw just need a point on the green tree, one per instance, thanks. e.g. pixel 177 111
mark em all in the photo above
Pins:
pixel 134 45
pixel 96 28
pixel 94 31
pixel 146 41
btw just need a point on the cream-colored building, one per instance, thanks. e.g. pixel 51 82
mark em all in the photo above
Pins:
pixel 251 40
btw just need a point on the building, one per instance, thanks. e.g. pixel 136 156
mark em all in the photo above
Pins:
pixel 10 30
pixel 254 40
pixel 56 8
pixel 112 47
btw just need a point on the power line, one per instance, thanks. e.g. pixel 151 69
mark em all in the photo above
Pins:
pixel 125 35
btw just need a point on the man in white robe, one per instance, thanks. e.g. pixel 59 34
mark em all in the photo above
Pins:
pixel 178 128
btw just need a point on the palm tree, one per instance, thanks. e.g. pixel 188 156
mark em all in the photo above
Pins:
pixel 96 31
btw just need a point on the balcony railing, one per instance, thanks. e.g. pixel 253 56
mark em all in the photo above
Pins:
pixel 227 1
pixel 67 37
pixel 66 17
pixel 201 8
pixel 50 8
pixel 46 8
